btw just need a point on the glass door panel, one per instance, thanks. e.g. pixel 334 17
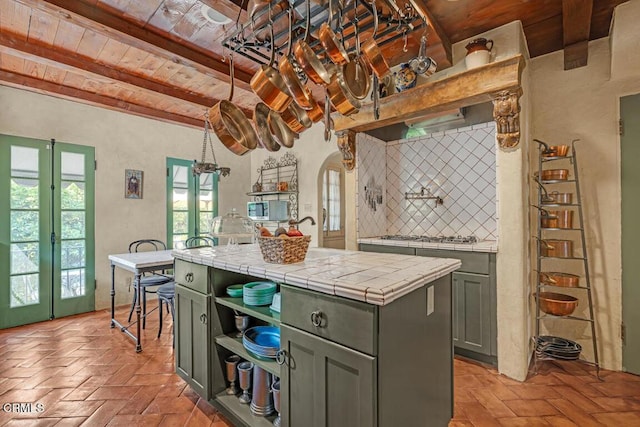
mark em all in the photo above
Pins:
pixel 207 203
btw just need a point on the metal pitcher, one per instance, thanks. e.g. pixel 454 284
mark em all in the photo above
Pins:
pixel 261 401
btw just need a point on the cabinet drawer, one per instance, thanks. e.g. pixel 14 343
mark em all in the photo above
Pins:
pixel 472 262
pixel 347 322
pixel 192 276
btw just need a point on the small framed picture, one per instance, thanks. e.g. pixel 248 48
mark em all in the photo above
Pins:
pixel 132 184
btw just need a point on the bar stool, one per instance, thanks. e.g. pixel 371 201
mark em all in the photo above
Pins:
pixel 166 294
pixel 147 281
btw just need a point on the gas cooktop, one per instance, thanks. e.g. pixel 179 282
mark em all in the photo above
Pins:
pixel 432 239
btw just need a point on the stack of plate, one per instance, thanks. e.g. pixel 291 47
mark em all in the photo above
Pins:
pixel 258 293
pixel 262 341
pixel 558 348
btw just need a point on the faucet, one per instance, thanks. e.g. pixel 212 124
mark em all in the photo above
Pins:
pixel 296 223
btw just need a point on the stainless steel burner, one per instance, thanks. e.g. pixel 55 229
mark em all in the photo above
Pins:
pixel 432 239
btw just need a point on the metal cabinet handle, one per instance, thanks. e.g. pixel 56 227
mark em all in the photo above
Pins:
pixel 281 357
pixel 203 318
pixel 188 277
pixel 316 318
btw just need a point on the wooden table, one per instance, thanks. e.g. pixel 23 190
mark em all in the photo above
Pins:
pixel 137 263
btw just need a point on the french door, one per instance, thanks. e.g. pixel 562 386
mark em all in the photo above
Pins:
pixel 192 202
pixel 47 266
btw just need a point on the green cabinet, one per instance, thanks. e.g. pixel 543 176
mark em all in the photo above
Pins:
pixel 192 354
pixel 472 312
pixel 324 383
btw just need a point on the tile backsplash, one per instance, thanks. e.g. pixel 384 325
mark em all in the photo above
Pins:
pixel 457 165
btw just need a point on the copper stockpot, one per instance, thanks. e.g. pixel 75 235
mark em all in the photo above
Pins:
pixel 233 128
pixel 260 119
pixel 332 45
pixel 557 304
pixel 557 219
pixel 564 280
pixel 555 174
pixel 556 248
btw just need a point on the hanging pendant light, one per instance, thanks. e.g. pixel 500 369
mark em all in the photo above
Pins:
pixel 207 167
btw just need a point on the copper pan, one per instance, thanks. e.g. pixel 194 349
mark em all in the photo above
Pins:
pixel 296 118
pixel 371 50
pixel 332 45
pixel 260 11
pixel 559 198
pixel 556 248
pixel 269 86
pixel 340 95
pixel 357 78
pixel 261 121
pixel 290 77
pixel 316 113
pixel 565 280
pixel 557 219
pixel 280 131
pixel 307 58
pixel 557 304
pixel 231 126
pixel 555 174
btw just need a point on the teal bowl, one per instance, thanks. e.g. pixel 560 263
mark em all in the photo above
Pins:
pixel 235 291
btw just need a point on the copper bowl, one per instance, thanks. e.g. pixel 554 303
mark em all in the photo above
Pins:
pixel 564 280
pixel 557 219
pixel 555 174
pixel 556 151
pixel 556 248
pixel 557 304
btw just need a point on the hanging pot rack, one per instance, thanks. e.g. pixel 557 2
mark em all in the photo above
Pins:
pixel 400 23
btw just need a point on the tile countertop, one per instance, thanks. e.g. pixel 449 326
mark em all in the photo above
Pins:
pixel 480 246
pixel 365 276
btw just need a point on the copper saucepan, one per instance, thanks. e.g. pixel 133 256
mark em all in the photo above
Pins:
pixel 357 78
pixel 371 50
pixel 557 304
pixel 261 121
pixel 555 174
pixel 557 219
pixel 280 131
pixel 231 125
pixel 307 59
pixel 298 90
pixel 269 86
pixel 296 118
pixel 556 248
pixel 332 45
pixel 340 94
pixel 564 280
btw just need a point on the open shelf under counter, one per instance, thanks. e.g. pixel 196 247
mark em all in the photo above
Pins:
pixel 235 345
pixel 263 313
pixel 241 410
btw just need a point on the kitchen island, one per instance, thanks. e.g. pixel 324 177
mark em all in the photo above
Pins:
pixel 366 338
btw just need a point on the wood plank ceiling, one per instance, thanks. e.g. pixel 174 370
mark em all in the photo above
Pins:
pixel 162 59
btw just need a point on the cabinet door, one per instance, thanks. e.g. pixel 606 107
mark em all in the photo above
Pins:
pixel 192 338
pixel 472 312
pixel 325 384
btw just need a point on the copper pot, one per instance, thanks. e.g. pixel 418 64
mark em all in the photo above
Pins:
pixel 555 174
pixel 557 304
pixel 316 113
pixel 233 128
pixel 564 280
pixel 558 198
pixel 557 219
pixel 270 87
pixel 357 78
pixel 376 61
pixel 556 248
pixel 340 94
pixel 311 64
pixel 296 118
pixel 260 119
pixel 556 151
pixel 332 45
pixel 290 77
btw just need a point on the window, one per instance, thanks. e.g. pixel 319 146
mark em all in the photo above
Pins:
pixel 331 201
pixel 192 202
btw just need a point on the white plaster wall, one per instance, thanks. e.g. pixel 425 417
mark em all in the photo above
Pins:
pixel 624 64
pixel 311 150
pixel 122 142
pixel 584 103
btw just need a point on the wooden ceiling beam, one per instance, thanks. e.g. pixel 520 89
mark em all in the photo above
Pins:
pixel 21 81
pixel 102 22
pixel 80 64
pixel 438 39
pixel 576 27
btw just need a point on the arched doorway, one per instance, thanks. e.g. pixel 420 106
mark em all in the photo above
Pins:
pixel 331 203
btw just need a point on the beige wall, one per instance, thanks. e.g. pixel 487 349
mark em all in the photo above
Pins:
pixel 122 142
pixel 584 103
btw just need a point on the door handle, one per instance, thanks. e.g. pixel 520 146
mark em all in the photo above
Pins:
pixel 316 318
pixel 203 318
pixel 188 277
pixel 281 357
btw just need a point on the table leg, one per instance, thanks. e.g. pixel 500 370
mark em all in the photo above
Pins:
pixel 138 311
pixel 113 295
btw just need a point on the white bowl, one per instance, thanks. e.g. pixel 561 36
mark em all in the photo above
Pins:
pixel 477 59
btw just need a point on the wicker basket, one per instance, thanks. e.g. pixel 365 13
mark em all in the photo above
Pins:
pixel 284 251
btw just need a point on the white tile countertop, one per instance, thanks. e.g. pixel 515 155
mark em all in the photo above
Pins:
pixel 480 246
pixel 365 276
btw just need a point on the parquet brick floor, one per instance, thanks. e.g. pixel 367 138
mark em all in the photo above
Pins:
pixel 81 372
